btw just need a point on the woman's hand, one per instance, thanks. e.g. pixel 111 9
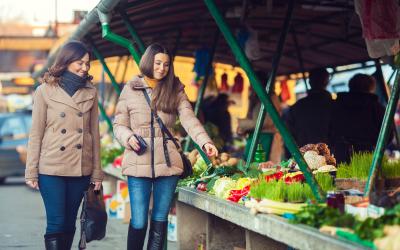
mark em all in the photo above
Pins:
pixel 33 184
pixel 133 143
pixel 97 185
pixel 210 149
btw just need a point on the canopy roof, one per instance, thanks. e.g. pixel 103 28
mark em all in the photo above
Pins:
pixel 328 32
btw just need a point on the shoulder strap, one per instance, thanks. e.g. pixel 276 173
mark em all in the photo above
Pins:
pixel 158 119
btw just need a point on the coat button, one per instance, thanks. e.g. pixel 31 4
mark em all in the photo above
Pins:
pixel 62 114
pixel 80 130
pixel 63 131
pixel 79 146
pixel 80 114
pixel 62 148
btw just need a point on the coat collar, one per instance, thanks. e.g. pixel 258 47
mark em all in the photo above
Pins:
pixel 84 94
pixel 138 83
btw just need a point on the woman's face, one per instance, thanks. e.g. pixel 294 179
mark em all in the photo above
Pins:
pixel 81 66
pixel 161 66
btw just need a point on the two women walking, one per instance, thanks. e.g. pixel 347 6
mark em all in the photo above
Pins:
pixel 64 143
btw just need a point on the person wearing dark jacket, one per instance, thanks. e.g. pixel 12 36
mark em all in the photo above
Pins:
pixel 356 119
pixel 308 120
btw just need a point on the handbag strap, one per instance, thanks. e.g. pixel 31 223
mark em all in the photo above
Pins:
pixel 164 129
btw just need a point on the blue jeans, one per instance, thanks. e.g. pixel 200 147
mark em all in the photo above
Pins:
pixel 62 197
pixel 139 193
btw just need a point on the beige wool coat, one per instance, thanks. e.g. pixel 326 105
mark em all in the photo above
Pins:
pixel 133 116
pixel 64 139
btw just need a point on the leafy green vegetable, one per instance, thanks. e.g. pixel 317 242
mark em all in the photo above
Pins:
pixel 295 192
pixel 317 216
pixel 222 186
pixel 210 184
pixel 108 154
pixel 325 181
pixel 368 229
pixel 360 165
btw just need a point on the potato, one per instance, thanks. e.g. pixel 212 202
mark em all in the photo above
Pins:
pixel 232 162
pixel 192 158
pixel 224 157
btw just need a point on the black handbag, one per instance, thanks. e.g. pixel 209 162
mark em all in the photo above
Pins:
pixel 93 216
pixel 187 166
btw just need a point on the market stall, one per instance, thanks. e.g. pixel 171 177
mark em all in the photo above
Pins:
pixel 219 206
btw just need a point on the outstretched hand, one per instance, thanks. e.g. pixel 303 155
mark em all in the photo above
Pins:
pixel 210 150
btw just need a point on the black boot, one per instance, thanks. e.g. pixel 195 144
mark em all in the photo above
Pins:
pixel 54 241
pixel 68 239
pixel 157 235
pixel 136 237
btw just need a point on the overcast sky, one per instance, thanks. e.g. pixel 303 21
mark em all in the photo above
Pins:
pixel 42 11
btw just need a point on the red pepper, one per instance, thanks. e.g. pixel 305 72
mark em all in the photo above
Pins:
pixel 277 176
pixel 237 194
pixel 202 186
pixel 117 162
pixel 294 178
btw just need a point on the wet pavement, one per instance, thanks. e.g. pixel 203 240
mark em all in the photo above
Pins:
pixel 22 221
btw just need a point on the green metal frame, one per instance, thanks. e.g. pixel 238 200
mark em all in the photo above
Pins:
pixel 383 134
pixel 132 31
pixel 265 99
pixel 98 55
pixel 203 86
pixel 383 93
pixel 177 43
pixel 106 118
pixel 122 41
pixel 300 58
pixel 270 83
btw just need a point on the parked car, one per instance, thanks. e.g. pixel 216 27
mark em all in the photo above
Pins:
pixel 14 133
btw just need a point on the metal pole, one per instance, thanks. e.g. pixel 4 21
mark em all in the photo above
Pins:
pixel 271 81
pixel 122 41
pixel 383 93
pixel 300 57
pixel 391 77
pixel 177 43
pixel 383 134
pixel 114 38
pixel 132 31
pixel 106 69
pixel 125 70
pixel 265 99
pixel 106 118
pixel 203 86
pixel 118 64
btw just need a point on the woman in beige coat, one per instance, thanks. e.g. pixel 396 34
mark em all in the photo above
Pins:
pixel 63 149
pixel 156 170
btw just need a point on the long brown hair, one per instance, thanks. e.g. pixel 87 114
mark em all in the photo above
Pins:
pixel 70 52
pixel 165 94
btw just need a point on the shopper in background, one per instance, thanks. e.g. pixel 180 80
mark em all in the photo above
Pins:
pixel 309 118
pixel 157 170
pixel 64 142
pixel 356 119
pixel 218 114
pixel 269 137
